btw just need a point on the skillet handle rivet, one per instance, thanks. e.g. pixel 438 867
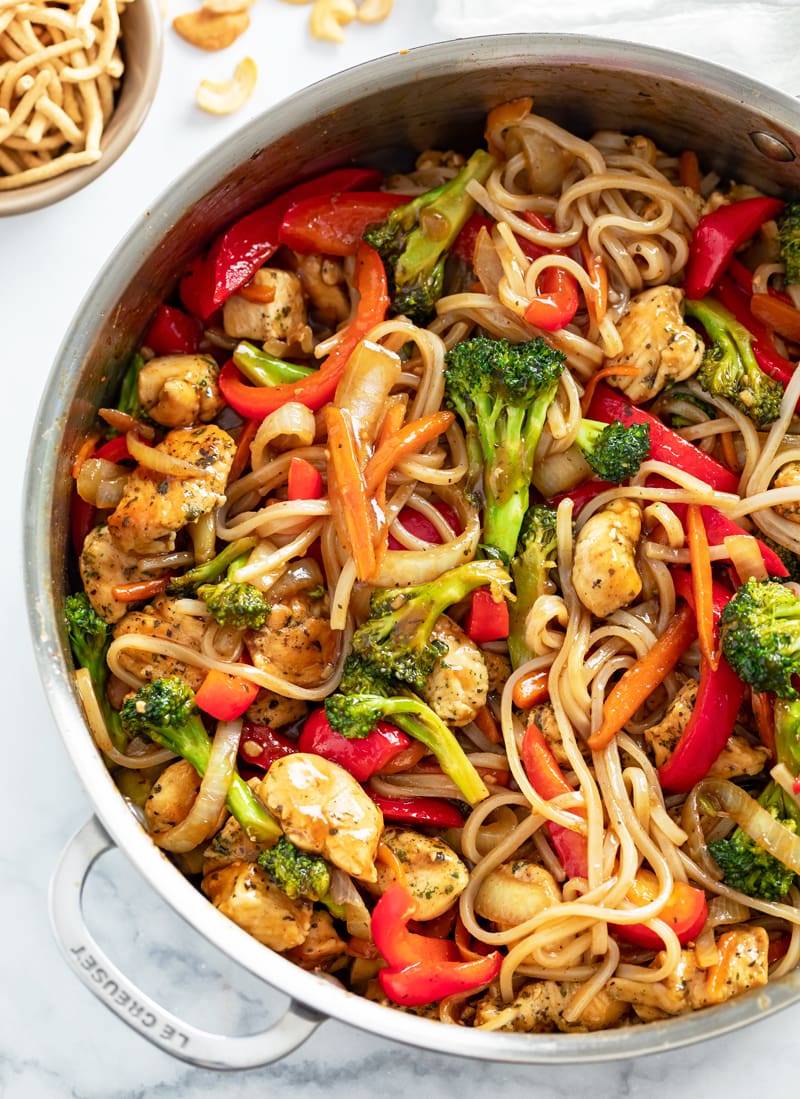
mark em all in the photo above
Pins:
pixel 771 146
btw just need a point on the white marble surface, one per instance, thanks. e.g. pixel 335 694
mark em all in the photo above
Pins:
pixel 55 1039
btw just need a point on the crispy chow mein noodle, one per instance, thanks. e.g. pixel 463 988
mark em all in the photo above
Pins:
pixel 437 604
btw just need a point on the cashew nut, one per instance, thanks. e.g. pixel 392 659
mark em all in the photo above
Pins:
pixel 329 16
pixel 210 30
pixel 226 7
pixel 374 11
pixel 229 95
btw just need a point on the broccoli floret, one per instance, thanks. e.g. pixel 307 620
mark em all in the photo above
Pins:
pixel 502 392
pixel 613 451
pixel 760 636
pixel 89 637
pixel 752 869
pixel 296 872
pixel 210 571
pixel 233 604
pixel 530 568
pixel 789 240
pixel 396 638
pixel 729 368
pixel 415 238
pixel 790 559
pixel 366 696
pixel 165 712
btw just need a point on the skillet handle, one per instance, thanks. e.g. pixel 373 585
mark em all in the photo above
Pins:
pixel 109 984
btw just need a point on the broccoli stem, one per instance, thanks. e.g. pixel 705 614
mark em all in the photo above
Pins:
pixel 265 370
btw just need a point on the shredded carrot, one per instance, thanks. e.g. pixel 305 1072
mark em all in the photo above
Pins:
pixel 139 590
pixel 501 117
pixel 485 721
pixel 701 582
pixel 779 316
pixel 392 863
pixel 642 678
pixel 606 372
pixel 689 170
pixel 404 442
pixel 718 977
pixel 392 422
pixel 764 712
pixel 597 301
pixel 531 689
pixel 729 451
pixel 255 292
pixel 85 451
pixel 241 458
pixel 350 502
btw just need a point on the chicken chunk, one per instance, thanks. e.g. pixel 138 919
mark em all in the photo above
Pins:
pixel 243 892
pixel 323 946
pixel 180 390
pixel 103 567
pixel 281 315
pixel 323 280
pixel 515 892
pixel 155 505
pixel 604 568
pixel 434 874
pixel 738 757
pixel 296 642
pixel 322 809
pixel 164 620
pixel 539 1007
pixel 171 797
pixel 457 687
pixel 655 339
pixel 498 669
pixel 274 710
pixel 788 476
pixel 230 844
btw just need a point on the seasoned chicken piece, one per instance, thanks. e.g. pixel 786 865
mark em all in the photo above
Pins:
pixel 162 619
pixel 180 390
pixel 280 316
pixel 155 505
pixel 296 641
pixel 322 946
pixel 243 892
pixel 539 1007
pixel 230 844
pixel 498 669
pixel 104 566
pixel 743 965
pixel 788 476
pixel 457 687
pixel 515 892
pixel 655 339
pixel 322 808
pixel 738 757
pixel 171 797
pixel 604 568
pixel 434 874
pixel 323 280
pixel 274 710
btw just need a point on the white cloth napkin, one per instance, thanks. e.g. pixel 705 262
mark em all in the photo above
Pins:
pixel 759 39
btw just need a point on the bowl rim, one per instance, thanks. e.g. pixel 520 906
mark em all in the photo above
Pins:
pixel 132 108
pixel 313 990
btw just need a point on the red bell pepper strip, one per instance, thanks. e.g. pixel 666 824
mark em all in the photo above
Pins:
pixel 736 301
pixel 225 696
pixel 362 757
pixel 556 301
pixel 433 812
pixel 318 388
pixel 581 495
pixel 464 244
pixel 237 253
pixel 140 590
pixel 305 481
pixel 81 521
pixel 115 450
pixel 685 911
pixel 719 699
pixel 421 969
pixel 665 445
pixel 547 779
pixel 260 746
pixel 421 527
pixel 334 224
pixel 173 332
pixel 487 619
pixel 718 235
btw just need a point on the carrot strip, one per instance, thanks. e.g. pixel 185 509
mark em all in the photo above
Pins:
pixel 689 170
pixel 764 713
pixel 606 372
pixel 241 458
pixel 500 118
pixel 642 678
pixel 404 442
pixel 779 316
pixel 255 292
pixel 531 689
pixel 405 760
pixel 392 863
pixel 597 301
pixel 347 489
pixel 85 451
pixel 392 422
pixel 729 451
pixel 701 582
pixel 140 589
pixel 485 721
pixel 718 975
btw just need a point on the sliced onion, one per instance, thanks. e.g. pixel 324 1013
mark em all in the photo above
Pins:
pixel 753 819
pixel 401 568
pixel 705 948
pixel 288 427
pixel 725 910
pixel 371 373
pixel 151 457
pixel 99 731
pixel 343 892
pixel 297 577
pixel 123 422
pixel 486 263
pixel 746 557
pixel 203 817
pixel 101 482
